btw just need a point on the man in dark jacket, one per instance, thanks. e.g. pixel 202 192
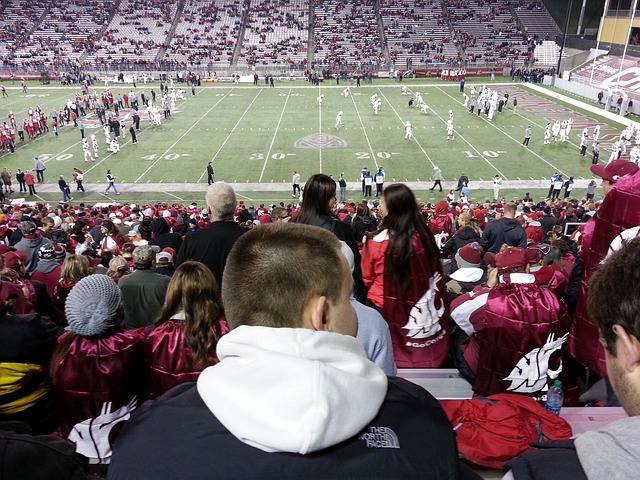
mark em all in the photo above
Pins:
pixel 505 230
pixel 211 245
pixel 547 221
pixel 325 410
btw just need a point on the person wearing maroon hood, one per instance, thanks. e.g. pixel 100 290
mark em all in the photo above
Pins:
pixel 619 211
pixel 533 228
pixel 441 224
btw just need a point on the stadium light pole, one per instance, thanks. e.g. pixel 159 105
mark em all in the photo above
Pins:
pixel 564 38
pixel 581 19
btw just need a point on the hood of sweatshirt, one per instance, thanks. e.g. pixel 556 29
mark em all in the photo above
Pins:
pixel 292 389
pixel 611 452
pixel 508 224
pixel 442 207
pixel 467 233
pixel 46 265
pixel 159 226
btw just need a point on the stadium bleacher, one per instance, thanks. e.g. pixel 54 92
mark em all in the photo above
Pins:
pixel 289 33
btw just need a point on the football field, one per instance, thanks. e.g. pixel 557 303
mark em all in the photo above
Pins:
pixel 255 136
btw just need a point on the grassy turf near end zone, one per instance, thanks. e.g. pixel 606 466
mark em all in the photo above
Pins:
pixel 256 136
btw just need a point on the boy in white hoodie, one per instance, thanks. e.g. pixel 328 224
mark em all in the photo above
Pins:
pixel 294 395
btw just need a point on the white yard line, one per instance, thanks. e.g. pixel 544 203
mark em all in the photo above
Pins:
pixel 232 130
pixel 320 129
pixel 181 137
pixel 424 152
pixel 174 196
pixel 512 138
pixel 275 133
pixel 364 130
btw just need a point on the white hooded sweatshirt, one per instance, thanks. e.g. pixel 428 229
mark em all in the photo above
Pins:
pixel 292 389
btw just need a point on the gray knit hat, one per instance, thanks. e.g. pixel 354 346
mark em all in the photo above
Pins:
pixel 94 306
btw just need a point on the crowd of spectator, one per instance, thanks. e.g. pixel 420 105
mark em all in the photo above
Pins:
pixel 406 33
pixel 105 274
pixel 276 33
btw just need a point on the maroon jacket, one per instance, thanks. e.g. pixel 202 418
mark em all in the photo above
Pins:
pixel 522 341
pixel 168 357
pixel 98 383
pixel 418 316
pixel 618 212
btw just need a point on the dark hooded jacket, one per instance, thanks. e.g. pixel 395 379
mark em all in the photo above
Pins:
pixel 162 237
pixel 459 239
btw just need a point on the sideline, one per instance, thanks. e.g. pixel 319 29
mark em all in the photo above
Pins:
pixel 614 117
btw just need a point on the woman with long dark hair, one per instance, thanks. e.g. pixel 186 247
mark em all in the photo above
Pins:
pixel 401 268
pixel 183 341
pixel 318 200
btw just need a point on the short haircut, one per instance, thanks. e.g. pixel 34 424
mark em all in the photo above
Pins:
pixel 221 199
pixel 511 208
pixel 272 272
pixel 613 294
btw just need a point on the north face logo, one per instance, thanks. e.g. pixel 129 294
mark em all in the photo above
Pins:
pixel 380 437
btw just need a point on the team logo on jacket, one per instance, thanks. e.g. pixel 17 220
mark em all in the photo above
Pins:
pixel 425 315
pixel 92 435
pixel 531 372
pixel 380 437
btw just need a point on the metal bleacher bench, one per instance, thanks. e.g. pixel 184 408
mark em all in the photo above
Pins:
pixel 442 383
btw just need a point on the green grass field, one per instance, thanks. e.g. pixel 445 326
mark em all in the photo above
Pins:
pixel 256 136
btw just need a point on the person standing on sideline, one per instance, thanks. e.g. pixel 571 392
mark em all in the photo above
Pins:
pixel 111 183
pixel 497 184
pixel 31 182
pixel 591 190
pixel 132 131
pixel 78 177
pixel 339 120
pixel 64 188
pixel 558 183
pixel 81 128
pixel 437 178
pixel 20 179
pixel 295 183
pixel 596 153
pixel 363 172
pixel 210 175
pixel 342 183
pixel 379 181
pixel 462 180
pixel 515 104
pixel 368 181
pixel 568 186
pixel 527 136
pixel 39 167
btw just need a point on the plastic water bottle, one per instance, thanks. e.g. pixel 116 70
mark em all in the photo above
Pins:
pixel 555 398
